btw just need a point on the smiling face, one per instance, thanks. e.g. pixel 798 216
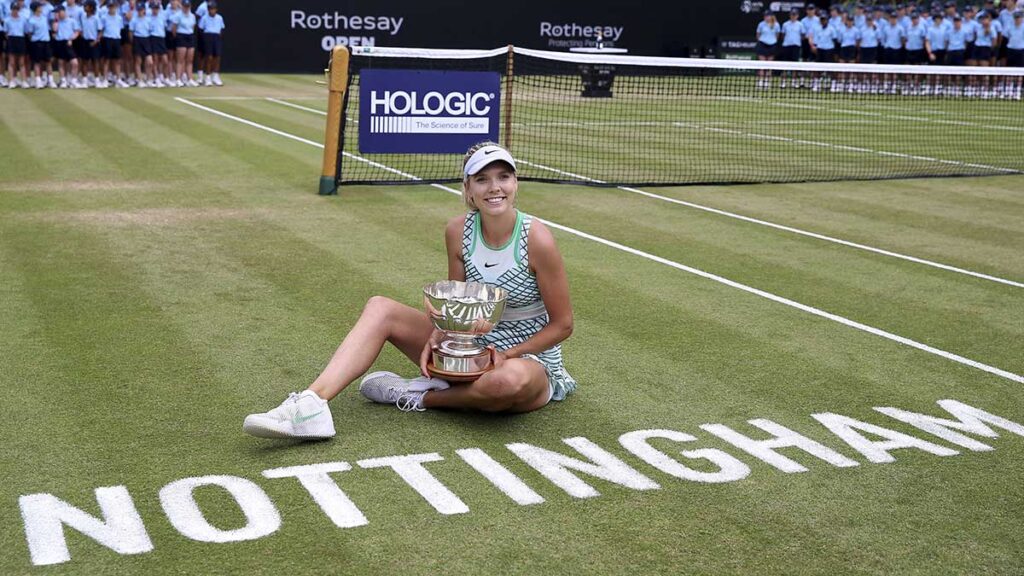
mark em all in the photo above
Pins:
pixel 493 189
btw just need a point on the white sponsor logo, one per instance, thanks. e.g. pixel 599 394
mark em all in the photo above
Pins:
pixel 574 30
pixel 332 21
pixel 401 112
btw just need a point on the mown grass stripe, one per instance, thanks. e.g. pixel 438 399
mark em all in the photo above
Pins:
pixel 731 283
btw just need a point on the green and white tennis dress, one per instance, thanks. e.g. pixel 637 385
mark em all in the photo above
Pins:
pixel 508 267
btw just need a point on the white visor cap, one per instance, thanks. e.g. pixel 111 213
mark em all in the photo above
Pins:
pixel 484 156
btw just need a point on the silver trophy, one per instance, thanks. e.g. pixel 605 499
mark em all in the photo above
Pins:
pixel 463 311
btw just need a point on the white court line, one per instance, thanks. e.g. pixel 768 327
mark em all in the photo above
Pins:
pixel 844 147
pixel 646 255
pixel 253 97
pixel 725 213
pixel 888 116
pixel 788 228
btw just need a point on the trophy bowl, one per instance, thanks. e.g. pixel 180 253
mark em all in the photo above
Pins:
pixel 463 311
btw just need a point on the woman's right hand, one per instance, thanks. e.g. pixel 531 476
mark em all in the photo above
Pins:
pixel 428 351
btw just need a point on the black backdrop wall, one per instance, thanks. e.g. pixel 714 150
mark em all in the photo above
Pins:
pixel 295 35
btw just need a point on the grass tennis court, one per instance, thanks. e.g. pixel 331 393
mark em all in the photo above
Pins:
pixel 167 271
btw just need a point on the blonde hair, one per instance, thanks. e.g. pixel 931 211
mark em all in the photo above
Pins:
pixel 465 179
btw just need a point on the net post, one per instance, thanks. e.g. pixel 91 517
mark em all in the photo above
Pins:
pixel 509 69
pixel 337 84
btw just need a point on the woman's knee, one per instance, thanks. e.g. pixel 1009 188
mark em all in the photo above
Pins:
pixel 503 389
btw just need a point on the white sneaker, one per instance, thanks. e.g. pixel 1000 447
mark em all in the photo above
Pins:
pixel 216 80
pixel 3 82
pixel 390 388
pixel 121 84
pixel 199 76
pixel 50 83
pixel 159 83
pixel 303 415
pixel 208 81
pixel 193 83
pixel 39 83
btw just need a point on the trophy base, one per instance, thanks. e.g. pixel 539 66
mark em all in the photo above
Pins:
pixel 458 368
pixel 455 377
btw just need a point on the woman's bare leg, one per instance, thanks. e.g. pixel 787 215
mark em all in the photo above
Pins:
pixel 383 320
pixel 517 385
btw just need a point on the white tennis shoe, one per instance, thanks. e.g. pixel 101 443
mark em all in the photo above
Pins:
pixel 390 388
pixel 302 415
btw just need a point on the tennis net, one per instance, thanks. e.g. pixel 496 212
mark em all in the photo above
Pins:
pixel 624 120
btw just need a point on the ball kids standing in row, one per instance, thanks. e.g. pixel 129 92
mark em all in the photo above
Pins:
pixel 103 43
pixel 903 34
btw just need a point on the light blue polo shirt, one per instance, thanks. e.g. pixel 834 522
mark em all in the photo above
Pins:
pixel 139 26
pixel 869 36
pixel 15 26
pixel 957 39
pixel 792 33
pixel 893 36
pixel 1015 37
pixel 38 29
pixel 983 38
pixel 111 25
pixel 215 24
pixel 849 36
pixel 186 23
pixel 158 24
pixel 916 34
pixel 938 37
pixel 90 27
pixel 766 33
pixel 823 36
pixel 66 29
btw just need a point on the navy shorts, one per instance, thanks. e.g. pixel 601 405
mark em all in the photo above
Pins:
pixel 789 54
pixel 200 43
pixel 90 52
pixel 869 55
pixel 185 41
pixel 63 51
pixel 982 53
pixel 955 58
pixel 3 44
pixel 940 58
pixel 1015 58
pixel 848 53
pixel 892 56
pixel 805 51
pixel 1004 47
pixel 969 52
pixel 762 49
pixel 111 48
pixel 125 37
pixel 916 57
pixel 40 52
pixel 142 47
pixel 171 41
pixel 213 45
pixel 827 56
pixel 17 45
pixel 158 45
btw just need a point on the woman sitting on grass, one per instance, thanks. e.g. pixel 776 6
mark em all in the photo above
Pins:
pixel 493 243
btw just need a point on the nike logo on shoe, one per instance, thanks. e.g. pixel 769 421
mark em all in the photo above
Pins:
pixel 486 265
pixel 300 419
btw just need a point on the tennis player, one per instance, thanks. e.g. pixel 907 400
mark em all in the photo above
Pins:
pixel 493 243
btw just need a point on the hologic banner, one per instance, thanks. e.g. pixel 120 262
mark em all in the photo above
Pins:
pixel 427 111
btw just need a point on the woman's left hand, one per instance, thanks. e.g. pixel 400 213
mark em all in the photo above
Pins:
pixel 497 357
